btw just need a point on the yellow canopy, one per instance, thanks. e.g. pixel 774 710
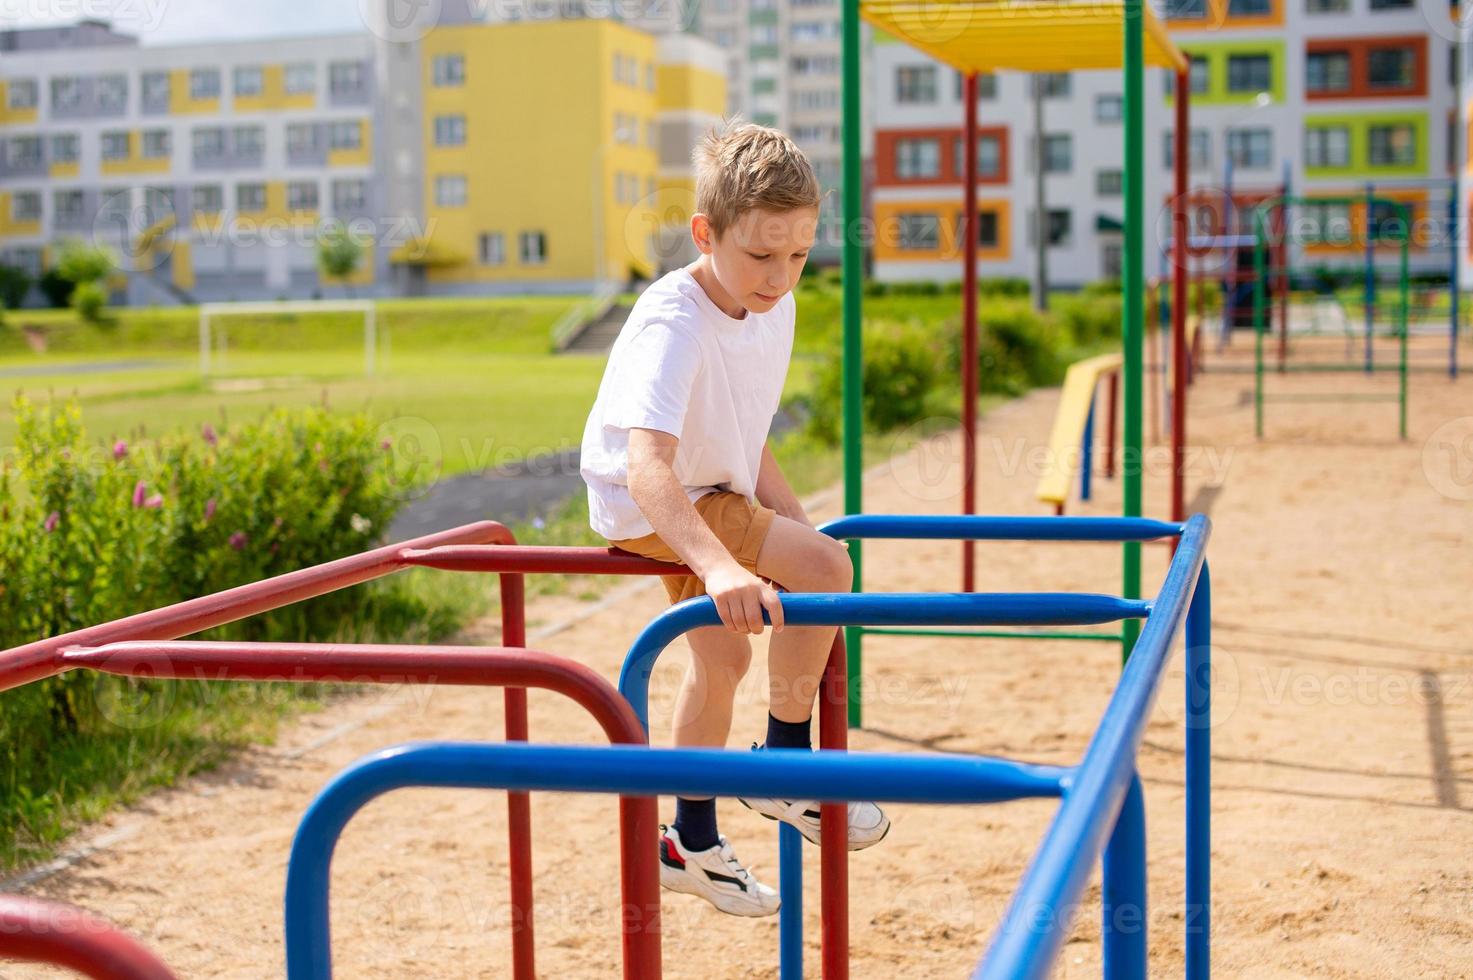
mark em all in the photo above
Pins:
pixel 1021 35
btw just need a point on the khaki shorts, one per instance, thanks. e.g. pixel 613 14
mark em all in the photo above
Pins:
pixel 739 525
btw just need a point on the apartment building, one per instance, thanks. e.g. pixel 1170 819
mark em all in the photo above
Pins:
pixel 1332 96
pixel 480 158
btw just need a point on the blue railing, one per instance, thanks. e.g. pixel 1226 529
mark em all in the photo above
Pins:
pixel 1101 813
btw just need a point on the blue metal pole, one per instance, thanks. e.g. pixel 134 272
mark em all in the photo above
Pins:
pixel 1370 286
pixel 1087 451
pixel 790 914
pixel 1123 896
pixel 1199 779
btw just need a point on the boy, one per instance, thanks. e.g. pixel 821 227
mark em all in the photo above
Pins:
pixel 676 448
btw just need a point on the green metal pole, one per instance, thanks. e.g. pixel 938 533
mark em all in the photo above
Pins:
pixel 853 379
pixel 1405 326
pixel 1259 272
pixel 1134 269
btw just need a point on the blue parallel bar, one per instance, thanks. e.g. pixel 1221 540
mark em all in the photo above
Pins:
pixel 1199 779
pixel 877 609
pixel 1123 932
pixel 1087 451
pixel 1060 868
pixel 626 770
pixel 972 527
pixel 790 890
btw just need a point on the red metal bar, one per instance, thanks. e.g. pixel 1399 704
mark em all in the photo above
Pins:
pixel 1179 236
pixel 833 733
pixel 400 664
pixel 518 805
pixel 1282 213
pixel 1112 397
pixel 537 559
pixel 33 661
pixel 1153 342
pixel 969 323
pixel 35 931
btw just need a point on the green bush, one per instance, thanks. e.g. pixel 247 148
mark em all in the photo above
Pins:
pixel 56 288
pixel 1017 348
pixel 90 533
pixel 1089 319
pixel 901 373
pixel 89 299
pixel 15 282
pixel 79 262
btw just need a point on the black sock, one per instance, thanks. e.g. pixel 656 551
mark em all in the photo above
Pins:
pixel 695 820
pixel 789 734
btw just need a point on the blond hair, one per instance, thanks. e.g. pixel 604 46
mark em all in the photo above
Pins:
pixel 747 167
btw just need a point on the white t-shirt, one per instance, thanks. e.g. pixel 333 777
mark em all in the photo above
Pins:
pixel 683 366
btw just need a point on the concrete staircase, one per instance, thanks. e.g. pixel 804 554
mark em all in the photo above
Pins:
pixel 597 335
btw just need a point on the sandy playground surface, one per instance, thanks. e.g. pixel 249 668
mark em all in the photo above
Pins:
pixel 1343 753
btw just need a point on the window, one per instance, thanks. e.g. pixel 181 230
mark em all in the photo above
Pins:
pixel 1109 183
pixel 1327 146
pixel 1327 71
pixel 532 245
pixel 919 232
pixel 826 98
pixel 1390 67
pixel 21 93
pixel 1199 73
pixel 157 143
pixel 348 195
pixel 1199 149
pixel 155 88
pixel 66 148
pixel 25 206
pixel 450 191
pixel 25 151
pixel 986 85
pixel 1251 148
pixel 204 83
pixel 112 92
pixel 814 30
pixel 345 77
pixel 116 145
pixel 1326 6
pixel 448 70
pixel 1058 153
pixel 208 144
pixel 915 84
pixel 1186 10
pixel 493 248
pixel 829 65
pixel 989 156
pixel 66 93
pixel 301 195
pixel 249 141
pixel 28 258
pixel 450 130
pixel 1249 73
pixel 1060 226
pixel 301 138
pixel 300 77
pixel 1392 146
pixel 345 135
pixel 158 203
pixel 248 81
pixel 1389 221
pixel 1109 108
pixel 1112 262
pixel 1392 4
pixel 986 229
pixel 1249 8
pixel 1319 222
pixel 115 202
pixel 1053 84
pixel 207 199
pixel 917 159
pixel 250 197
pixel 69 207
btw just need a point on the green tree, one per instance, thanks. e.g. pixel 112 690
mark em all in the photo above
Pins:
pixel 86 266
pixel 338 253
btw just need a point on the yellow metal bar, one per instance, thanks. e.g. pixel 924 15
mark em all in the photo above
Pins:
pixel 1069 421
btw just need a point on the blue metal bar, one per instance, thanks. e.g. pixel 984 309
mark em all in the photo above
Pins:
pixel 1093 799
pixel 1123 929
pixel 790 890
pixel 1199 779
pixel 1087 451
pixel 878 609
pixel 626 770
pixel 976 527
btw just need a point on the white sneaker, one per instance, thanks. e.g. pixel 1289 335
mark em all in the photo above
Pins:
pixel 714 874
pixel 868 824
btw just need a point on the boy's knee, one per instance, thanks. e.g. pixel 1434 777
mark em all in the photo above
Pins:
pixel 829 567
pixel 715 648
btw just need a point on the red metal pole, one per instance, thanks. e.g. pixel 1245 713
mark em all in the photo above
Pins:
pixel 518 805
pixel 1179 296
pixel 1282 275
pixel 969 323
pixel 1153 343
pixel 36 931
pixel 833 733
pixel 1113 396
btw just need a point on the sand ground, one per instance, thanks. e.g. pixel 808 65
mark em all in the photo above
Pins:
pixel 1343 750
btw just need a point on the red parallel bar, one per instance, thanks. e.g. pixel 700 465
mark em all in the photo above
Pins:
pixel 34 661
pixel 33 931
pixel 509 667
pixel 1282 223
pixel 518 805
pixel 1180 231
pixel 1112 398
pixel 534 559
pixel 969 323
pixel 833 733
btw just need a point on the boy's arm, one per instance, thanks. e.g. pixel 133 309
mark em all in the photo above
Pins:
pixel 774 491
pixel 740 596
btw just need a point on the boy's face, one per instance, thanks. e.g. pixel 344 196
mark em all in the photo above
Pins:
pixel 759 258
